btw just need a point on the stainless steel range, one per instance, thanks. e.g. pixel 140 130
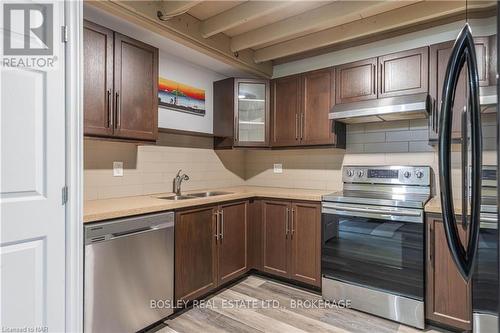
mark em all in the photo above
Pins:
pixel 373 241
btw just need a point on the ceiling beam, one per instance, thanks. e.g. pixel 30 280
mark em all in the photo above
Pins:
pixel 238 15
pixel 396 19
pixel 337 13
pixel 184 29
pixel 174 8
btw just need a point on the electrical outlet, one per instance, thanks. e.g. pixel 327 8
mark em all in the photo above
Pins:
pixel 117 169
pixel 278 168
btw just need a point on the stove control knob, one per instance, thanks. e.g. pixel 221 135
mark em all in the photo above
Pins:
pixel 419 173
pixel 361 173
pixel 350 172
pixel 407 174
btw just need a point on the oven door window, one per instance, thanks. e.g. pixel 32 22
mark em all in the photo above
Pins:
pixel 375 253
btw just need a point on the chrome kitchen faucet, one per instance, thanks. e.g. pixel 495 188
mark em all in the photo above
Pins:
pixel 178 182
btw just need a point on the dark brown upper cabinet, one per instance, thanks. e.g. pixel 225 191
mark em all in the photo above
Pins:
pixel 439 56
pixel 301 104
pixel 241 113
pixel 286 99
pixel 404 73
pixel 136 89
pixel 318 97
pixel 120 85
pixel 356 81
pixel 438 61
pixel 396 74
pixel 98 79
pixel 482 46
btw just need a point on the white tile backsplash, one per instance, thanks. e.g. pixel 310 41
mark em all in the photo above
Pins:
pixel 150 169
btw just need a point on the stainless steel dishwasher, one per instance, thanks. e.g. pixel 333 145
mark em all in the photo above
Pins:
pixel 129 263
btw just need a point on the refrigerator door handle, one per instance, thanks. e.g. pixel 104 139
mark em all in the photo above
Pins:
pixel 463 52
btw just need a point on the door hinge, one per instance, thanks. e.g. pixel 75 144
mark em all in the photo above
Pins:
pixel 64 33
pixel 64 195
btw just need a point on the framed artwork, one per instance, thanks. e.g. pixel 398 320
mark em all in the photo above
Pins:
pixel 178 96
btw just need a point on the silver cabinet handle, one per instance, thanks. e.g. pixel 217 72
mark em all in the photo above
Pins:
pixel 431 243
pixel 296 126
pixel 110 113
pixel 302 126
pixel 286 222
pixel 221 224
pixel 117 107
pixel 293 217
pixel 216 225
pixel 374 79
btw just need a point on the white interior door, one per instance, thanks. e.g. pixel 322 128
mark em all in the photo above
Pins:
pixel 32 228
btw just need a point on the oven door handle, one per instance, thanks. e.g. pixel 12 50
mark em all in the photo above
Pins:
pixel 398 212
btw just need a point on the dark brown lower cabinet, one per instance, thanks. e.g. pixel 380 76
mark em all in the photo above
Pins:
pixel 232 242
pixel 291 240
pixel 210 248
pixel 305 243
pixel 254 232
pixel 448 299
pixel 275 220
pixel 195 253
pixel 217 244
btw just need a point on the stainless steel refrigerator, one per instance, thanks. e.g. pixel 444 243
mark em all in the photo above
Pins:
pixel 478 260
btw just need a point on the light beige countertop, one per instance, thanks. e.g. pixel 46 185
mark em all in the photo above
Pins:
pixel 434 206
pixel 104 209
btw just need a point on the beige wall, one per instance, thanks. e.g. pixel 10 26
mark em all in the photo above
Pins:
pixel 390 143
pixel 151 169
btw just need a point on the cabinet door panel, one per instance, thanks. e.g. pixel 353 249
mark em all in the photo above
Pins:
pixel 286 111
pixel 440 54
pixel 275 237
pixel 254 227
pixel 318 91
pixel 136 89
pixel 97 79
pixel 356 81
pixel 233 241
pixel 448 298
pixel 404 73
pixel 482 54
pixel 251 112
pixel 306 243
pixel 195 253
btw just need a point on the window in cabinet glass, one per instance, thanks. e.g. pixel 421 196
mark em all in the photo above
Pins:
pixel 251 112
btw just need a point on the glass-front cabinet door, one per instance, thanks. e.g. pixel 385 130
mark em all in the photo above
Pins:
pixel 252 112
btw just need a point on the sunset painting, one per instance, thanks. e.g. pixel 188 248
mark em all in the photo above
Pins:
pixel 180 97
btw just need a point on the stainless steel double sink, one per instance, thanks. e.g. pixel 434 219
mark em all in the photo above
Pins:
pixel 193 195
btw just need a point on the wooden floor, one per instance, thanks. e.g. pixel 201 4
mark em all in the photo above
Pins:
pixel 217 316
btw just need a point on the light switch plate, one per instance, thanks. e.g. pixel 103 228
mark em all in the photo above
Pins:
pixel 278 168
pixel 117 169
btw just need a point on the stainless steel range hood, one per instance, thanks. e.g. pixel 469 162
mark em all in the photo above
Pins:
pixel 383 109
